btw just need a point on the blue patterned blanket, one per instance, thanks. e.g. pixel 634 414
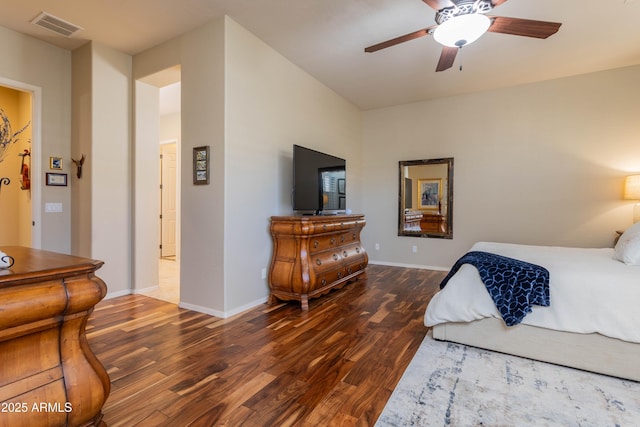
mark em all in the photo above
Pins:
pixel 514 285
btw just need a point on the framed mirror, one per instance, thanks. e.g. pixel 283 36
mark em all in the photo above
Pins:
pixel 426 198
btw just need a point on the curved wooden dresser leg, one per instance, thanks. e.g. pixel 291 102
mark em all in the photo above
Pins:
pixel 86 381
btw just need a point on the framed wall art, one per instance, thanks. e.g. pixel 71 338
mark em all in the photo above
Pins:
pixel 201 167
pixel 57 179
pixel 429 193
pixel 55 163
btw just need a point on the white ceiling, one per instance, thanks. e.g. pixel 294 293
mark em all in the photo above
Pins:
pixel 327 37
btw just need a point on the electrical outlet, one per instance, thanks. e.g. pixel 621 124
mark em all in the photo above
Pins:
pixel 414 249
pixel 377 246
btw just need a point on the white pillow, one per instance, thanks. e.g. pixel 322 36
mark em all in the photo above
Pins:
pixel 628 247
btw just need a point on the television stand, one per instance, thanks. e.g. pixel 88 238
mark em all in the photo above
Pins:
pixel 313 255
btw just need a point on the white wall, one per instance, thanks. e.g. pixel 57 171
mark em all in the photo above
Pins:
pixel 540 163
pixel 81 143
pixel 170 127
pixel 250 105
pixel 272 104
pixel 537 164
pixel 48 70
pixel 111 166
pixel 146 197
pixel 102 84
pixel 200 54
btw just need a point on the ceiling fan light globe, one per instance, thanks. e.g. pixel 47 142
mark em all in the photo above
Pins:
pixel 462 30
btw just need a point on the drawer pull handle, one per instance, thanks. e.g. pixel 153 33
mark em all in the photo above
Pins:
pixel 354 236
pixel 339 274
pixel 349 270
pixel 345 254
pixel 358 249
pixel 333 240
pixel 324 281
pixel 342 238
pixel 335 257
pixel 318 261
pixel 324 227
pixel 316 244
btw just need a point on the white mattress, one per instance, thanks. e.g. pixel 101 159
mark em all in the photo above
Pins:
pixel 590 292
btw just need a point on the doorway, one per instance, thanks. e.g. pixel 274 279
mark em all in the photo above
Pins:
pixel 168 202
pixel 157 224
pixel 16 167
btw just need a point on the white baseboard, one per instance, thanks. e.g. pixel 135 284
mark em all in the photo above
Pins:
pixel 399 264
pixel 222 314
pixel 193 307
pixel 117 294
pixel 145 290
pixel 130 292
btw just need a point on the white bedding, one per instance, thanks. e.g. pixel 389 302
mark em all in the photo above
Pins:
pixel 590 292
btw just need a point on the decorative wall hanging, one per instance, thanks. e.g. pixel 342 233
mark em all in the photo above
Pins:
pixel 201 165
pixel 55 163
pixel 78 164
pixel 7 136
pixel 25 181
pixel 57 179
pixel 4 181
pixel 429 193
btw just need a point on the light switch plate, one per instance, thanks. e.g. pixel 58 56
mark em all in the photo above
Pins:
pixel 53 207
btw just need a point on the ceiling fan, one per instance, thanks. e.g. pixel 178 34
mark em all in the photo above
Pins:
pixel 460 22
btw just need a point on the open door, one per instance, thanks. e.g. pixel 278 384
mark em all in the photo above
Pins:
pixel 168 200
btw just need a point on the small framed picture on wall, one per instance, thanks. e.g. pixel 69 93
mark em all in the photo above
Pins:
pixel 201 165
pixel 57 179
pixel 55 163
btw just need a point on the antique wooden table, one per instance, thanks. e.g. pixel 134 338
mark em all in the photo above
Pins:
pixel 48 374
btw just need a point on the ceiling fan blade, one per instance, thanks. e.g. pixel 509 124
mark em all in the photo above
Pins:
pixel 523 27
pixel 447 57
pixel 439 4
pixel 398 40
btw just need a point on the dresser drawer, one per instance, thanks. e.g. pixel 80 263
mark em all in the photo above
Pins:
pixel 329 277
pixel 347 237
pixel 356 264
pixel 327 260
pixel 323 242
pixel 351 250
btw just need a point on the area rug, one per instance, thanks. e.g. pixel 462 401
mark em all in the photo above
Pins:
pixel 450 384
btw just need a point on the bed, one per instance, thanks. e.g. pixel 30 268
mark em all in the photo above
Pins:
pixel 592 322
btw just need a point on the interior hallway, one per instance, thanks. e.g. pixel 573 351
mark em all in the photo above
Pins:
pixel 169 285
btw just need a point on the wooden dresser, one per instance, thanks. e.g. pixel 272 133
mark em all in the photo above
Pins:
pixel 314 254
pixel 412 221
pixel 48 374
pixel 433 223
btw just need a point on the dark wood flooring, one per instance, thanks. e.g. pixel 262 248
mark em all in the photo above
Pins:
pixel 335 365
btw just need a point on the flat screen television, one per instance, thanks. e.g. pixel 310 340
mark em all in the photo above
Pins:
pixel 319 182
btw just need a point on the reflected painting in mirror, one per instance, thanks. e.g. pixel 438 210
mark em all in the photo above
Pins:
pixel 426 198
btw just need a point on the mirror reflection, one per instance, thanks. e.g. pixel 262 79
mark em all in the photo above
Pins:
pixel 426 198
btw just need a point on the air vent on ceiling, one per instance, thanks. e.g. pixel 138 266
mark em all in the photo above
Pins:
pixel 55 24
